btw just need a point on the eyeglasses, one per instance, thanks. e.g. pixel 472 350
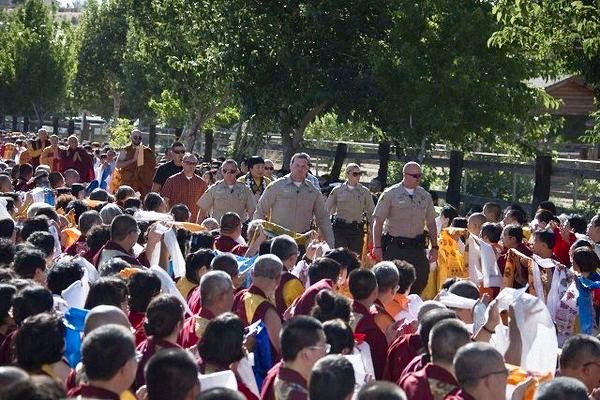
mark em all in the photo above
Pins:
pixel 502 371
pixel 416 176
pixel 229 171
pixel 191 162
pixel 597 364
pixel 326 347
pixel 356 173
pixel 178 151
pixel 137 138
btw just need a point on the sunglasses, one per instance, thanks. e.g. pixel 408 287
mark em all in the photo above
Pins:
pixel 229 171
pixel 179 151
pixel 416 176
pixel 355 173
pixel 269 168
pixel 191 162
pixel 137 138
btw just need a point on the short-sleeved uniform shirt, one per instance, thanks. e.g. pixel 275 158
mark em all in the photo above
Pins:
pixel 404 214
pixel 294 206
pixel 220 198
pixel 350 204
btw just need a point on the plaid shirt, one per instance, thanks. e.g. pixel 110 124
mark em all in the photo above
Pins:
pixel 179 189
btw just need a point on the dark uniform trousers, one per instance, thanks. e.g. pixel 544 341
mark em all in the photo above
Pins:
pixel 349 235
pixel 411 250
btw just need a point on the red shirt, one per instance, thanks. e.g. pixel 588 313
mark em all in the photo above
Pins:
pixel 400 354
pixel 373 336
pixel 137 322
pixel 419 385
pixel 179 189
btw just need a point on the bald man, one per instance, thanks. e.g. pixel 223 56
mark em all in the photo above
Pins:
pixel 104 315
pixel 216 291
pixel 136 164
pixel 36 147
pixel 480 371
pixel 401 213
pixel 75 157
pixel 580 359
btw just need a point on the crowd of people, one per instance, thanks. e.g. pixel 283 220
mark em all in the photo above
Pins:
pixel 127 275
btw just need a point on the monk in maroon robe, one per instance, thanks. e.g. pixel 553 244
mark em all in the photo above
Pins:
pixel 363 286
pixel 436 380
pixel 75 157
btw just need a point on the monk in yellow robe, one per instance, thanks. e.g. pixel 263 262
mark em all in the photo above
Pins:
pixel 135 164
pixel 51 154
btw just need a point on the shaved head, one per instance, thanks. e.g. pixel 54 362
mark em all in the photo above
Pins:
pixel 104 315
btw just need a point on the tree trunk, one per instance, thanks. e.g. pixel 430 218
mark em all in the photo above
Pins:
pixel 38 115
pixel 197 124
pixel 292 138
pixel 116 106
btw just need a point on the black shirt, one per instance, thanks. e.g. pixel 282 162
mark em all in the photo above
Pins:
pixel 165 171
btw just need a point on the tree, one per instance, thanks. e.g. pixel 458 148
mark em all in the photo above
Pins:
pixel 560 36
pixel 181 44
pixel 297 59
pixel 42 48
pixel 99 82
pixel 438 80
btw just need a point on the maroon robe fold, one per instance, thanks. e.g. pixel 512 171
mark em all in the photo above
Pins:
pixel 194 300
pixel 79 160
pixel 400 353
pixel 460 395
pixel 267 392
pixel 416 364
pixel 148 348
pixel 279 299
pixel 373 336
pixel 304 304
pixel 188 337
pixel 430 383
pixel 92 392
pixel 291 384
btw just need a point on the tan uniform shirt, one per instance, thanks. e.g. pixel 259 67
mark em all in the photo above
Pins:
pixel 219 199
pixel 405 215
pixel 294 207
pixel 350 204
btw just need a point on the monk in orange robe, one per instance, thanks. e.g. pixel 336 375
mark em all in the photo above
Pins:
pixel 51 154
pixel 135 164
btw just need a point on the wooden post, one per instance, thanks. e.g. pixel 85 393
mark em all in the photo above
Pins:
pixel 15 123
pixel 543 177
pixel 25 124
pixel 209 140
pixel 384 159
pixel 71 127
pixel 456 167
pixel 55 125
pixel 152 136
pixel 83 132
pixel 338 161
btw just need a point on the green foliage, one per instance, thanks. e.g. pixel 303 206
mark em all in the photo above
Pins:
pixel 100 77
pixel 225 119
pixel 440 82
pixel 183 44
pixel 119 133
pixel 590 205
pixel 41 49
pixel 169 110
pixel 328 127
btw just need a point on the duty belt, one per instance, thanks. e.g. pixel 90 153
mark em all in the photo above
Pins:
pixel 405 243
pixel 341 223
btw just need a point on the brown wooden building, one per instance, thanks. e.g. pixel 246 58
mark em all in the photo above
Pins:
pixel 577 103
